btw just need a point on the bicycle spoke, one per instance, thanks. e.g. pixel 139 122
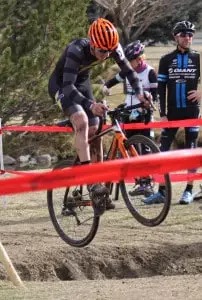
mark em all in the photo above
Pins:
pixel 138 191
pixel 73 215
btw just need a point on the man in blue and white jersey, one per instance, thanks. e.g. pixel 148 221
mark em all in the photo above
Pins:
pixel 178 78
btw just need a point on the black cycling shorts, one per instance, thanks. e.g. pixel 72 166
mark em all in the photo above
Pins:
pixel 67 106
pixel 191 133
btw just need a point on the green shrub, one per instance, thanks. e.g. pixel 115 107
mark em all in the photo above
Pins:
pixel 36 143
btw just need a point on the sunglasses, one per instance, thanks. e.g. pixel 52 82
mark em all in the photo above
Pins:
pixel 185 34
pixel 102 50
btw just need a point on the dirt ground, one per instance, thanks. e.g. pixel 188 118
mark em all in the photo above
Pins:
pixel 125 259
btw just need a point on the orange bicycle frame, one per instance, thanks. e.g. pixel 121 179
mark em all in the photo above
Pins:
pixel 118 142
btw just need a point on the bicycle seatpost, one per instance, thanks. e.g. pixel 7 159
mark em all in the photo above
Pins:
pixel 104 101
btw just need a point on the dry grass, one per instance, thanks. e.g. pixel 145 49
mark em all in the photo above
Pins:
pixel 28 213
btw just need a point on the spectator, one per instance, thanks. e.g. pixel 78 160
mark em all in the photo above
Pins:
pixel 134 52
pixel 178 76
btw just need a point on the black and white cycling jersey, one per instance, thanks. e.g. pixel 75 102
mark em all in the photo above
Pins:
pixel 179 73
pixel 73 70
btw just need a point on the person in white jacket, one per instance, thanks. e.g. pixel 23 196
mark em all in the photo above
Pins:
pixel 134 52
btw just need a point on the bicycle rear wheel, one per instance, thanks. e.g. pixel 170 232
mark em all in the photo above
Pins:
pixel 136 190
pixel 72 213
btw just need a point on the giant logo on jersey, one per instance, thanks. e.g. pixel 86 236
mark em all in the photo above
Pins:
pixel 179 70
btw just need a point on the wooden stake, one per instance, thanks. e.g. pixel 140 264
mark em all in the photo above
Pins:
pixel 14 277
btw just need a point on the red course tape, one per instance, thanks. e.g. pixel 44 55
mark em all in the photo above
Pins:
pixel 117 170
pixel 168 124
pixel 179 177
pixel 37 128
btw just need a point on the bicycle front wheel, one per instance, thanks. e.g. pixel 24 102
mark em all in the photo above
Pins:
pixel 72 213
pixel 136 191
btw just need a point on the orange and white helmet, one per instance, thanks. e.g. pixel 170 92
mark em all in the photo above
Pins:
pixel 103 35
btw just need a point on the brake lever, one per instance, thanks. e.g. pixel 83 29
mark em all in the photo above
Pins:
pixel 146 96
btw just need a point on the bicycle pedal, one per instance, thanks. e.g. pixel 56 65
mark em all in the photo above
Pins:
pixel 68 212
pixel 77 196
pixel 102 193
pixel 99 205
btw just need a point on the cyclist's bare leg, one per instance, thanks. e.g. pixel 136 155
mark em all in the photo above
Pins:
pixel 79 121
pixel 82 133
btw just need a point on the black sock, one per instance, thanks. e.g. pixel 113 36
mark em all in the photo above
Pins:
pixel 189 188
pixel 162 190
pixel 87 162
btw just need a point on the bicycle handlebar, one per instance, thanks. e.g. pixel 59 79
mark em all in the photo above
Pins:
pixel 124 109
pixel 111 113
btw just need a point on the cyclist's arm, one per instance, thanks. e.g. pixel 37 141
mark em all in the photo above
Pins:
pixel 115 80
pixel 71 69
pixel 194 95
pixel 126 69
pixel 162 83
pixel 153 84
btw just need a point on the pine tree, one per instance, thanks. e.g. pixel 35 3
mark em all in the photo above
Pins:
pixel 32 36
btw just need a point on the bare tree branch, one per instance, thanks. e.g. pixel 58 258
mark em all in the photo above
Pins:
pixel 140 13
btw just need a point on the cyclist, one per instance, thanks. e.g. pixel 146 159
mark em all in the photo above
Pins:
pixel 70 85
pixel 179 72
pixel 134 52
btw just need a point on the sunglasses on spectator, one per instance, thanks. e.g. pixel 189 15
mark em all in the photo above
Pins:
pixel 185 34
pixel 103 51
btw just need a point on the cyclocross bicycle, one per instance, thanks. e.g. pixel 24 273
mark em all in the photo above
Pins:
pixel 72 211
